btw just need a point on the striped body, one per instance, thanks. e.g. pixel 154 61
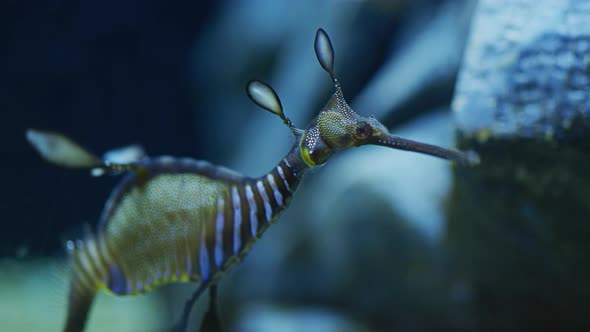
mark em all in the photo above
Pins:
pixel 181 220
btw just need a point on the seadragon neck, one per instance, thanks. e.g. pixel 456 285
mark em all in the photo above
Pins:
pixel 271 193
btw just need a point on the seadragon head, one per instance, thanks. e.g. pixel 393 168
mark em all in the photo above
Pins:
pixel 337 126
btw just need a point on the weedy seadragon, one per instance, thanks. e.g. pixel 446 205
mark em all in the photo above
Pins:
pixel 185 220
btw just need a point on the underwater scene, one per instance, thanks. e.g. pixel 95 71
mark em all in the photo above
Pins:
pixel 313 165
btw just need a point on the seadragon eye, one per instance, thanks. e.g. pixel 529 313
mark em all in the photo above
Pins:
pixel 363 131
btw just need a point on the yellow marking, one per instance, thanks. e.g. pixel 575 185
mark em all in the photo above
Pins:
pixel 483 135
pixel 100 286
pixel 307 157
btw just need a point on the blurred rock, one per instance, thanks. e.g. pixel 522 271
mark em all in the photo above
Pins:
pixel 518 223
pixel 518 237
pixel 525 72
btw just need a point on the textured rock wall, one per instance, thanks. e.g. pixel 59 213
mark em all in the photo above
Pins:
pixel 518 224
pixel 526 70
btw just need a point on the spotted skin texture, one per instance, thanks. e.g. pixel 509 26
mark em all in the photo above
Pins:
pixel 159 227
pixel 177 220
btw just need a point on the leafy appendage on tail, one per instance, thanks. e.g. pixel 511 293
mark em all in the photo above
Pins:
pixel 62 151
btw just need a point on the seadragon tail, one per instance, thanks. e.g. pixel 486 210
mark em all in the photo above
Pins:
pixel 79 305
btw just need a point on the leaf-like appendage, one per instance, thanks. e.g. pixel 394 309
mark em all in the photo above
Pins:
pixel 264 96
pixel 61 150
pixel 324 51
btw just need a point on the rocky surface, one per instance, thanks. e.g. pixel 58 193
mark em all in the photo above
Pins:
pixel 518 223
pixel 526 71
